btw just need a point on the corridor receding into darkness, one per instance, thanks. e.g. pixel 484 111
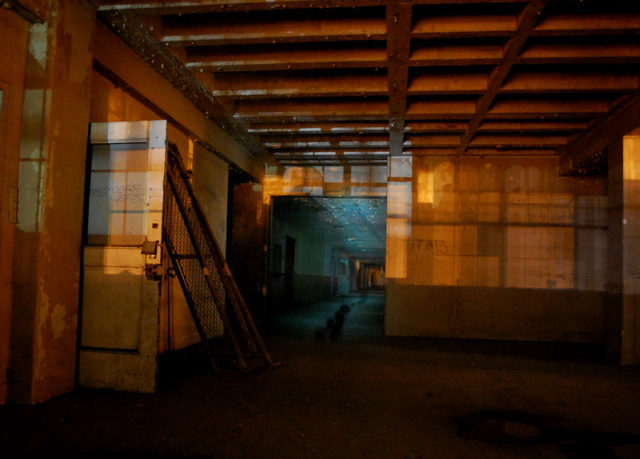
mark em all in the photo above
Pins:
pixel 321 247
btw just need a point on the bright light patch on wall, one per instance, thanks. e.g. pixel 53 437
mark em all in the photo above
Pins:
pixel 425 187
pixel 399 199
pixel 397 236
pixel 631 149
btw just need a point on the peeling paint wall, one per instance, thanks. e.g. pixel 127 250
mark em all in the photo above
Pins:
pixel 48 242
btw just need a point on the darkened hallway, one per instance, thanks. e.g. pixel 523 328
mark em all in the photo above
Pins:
pixel 357 396
pixel 364 320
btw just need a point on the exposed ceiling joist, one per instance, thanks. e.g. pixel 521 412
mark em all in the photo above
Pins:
pixel 342 80
pixel 399 18
pixel 525 24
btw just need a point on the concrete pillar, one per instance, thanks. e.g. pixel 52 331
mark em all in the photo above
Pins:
pixel 623 320
pixel 50 209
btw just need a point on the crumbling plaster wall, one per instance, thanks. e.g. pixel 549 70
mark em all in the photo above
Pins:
pixel 52 159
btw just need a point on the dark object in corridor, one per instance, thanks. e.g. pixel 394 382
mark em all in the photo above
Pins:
pixel 334 326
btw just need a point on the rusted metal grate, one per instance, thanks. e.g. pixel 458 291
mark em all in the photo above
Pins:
pixel 216 304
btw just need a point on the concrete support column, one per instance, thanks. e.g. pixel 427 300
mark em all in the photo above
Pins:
pixel 51 199
pixel 624 250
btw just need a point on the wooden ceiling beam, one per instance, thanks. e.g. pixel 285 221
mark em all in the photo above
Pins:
pixel 476 26
pixel 355 109
pixel 164 7
pixel 455 55
pixel 502 141
pixel 524 25
pixel 587 24
pixel 461 26
pixel 399 19
pixel 268 85
pixel 563 82
pixel 449 83
pixel 417 127
pixel 593 53
pixel 619 121
pixel 265 130
pixel 344 142
pixel 539 141
pixel 532 126
pixel 532 107
pixel 250 86
pixel 432 141
pixel 483 152
pixel 235 59
pixel 218 30
pixel 299 157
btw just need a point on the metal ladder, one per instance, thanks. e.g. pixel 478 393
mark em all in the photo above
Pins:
pixel 215 302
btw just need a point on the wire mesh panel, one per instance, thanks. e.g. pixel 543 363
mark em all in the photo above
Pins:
pixel 213 297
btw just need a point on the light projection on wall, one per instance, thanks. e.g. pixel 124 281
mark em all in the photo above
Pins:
pixel 497 222
pixel 494 223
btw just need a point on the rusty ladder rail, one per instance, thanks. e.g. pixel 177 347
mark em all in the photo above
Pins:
pixel 215 302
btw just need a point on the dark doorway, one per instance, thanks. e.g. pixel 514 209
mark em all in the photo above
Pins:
pixel 289 264
pixel 246 240
pixel 317 247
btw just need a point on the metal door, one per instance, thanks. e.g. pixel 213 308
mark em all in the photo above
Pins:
pixel 120 296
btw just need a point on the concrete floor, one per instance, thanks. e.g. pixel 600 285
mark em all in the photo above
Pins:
pixel 360 395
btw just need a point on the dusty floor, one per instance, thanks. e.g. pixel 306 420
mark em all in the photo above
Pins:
pixel 356 396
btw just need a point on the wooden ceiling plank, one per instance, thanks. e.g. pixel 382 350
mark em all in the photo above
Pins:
pixel 433 141
pixel 605 53
pixel 449 83
pixel 219 31
pixel 556 82
pixel 224 59
pixel 399 19
pixel 535 126
pixel 312 109
pixel 618 121
pixel 163 7
pixel 461 26
pixel 549 105
pixel 483 152
pixel 455 55
pixel 268 85
pixel 417 127
pixel 519 140
pixel 583 24
pixel 292 129
pixel 525 24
